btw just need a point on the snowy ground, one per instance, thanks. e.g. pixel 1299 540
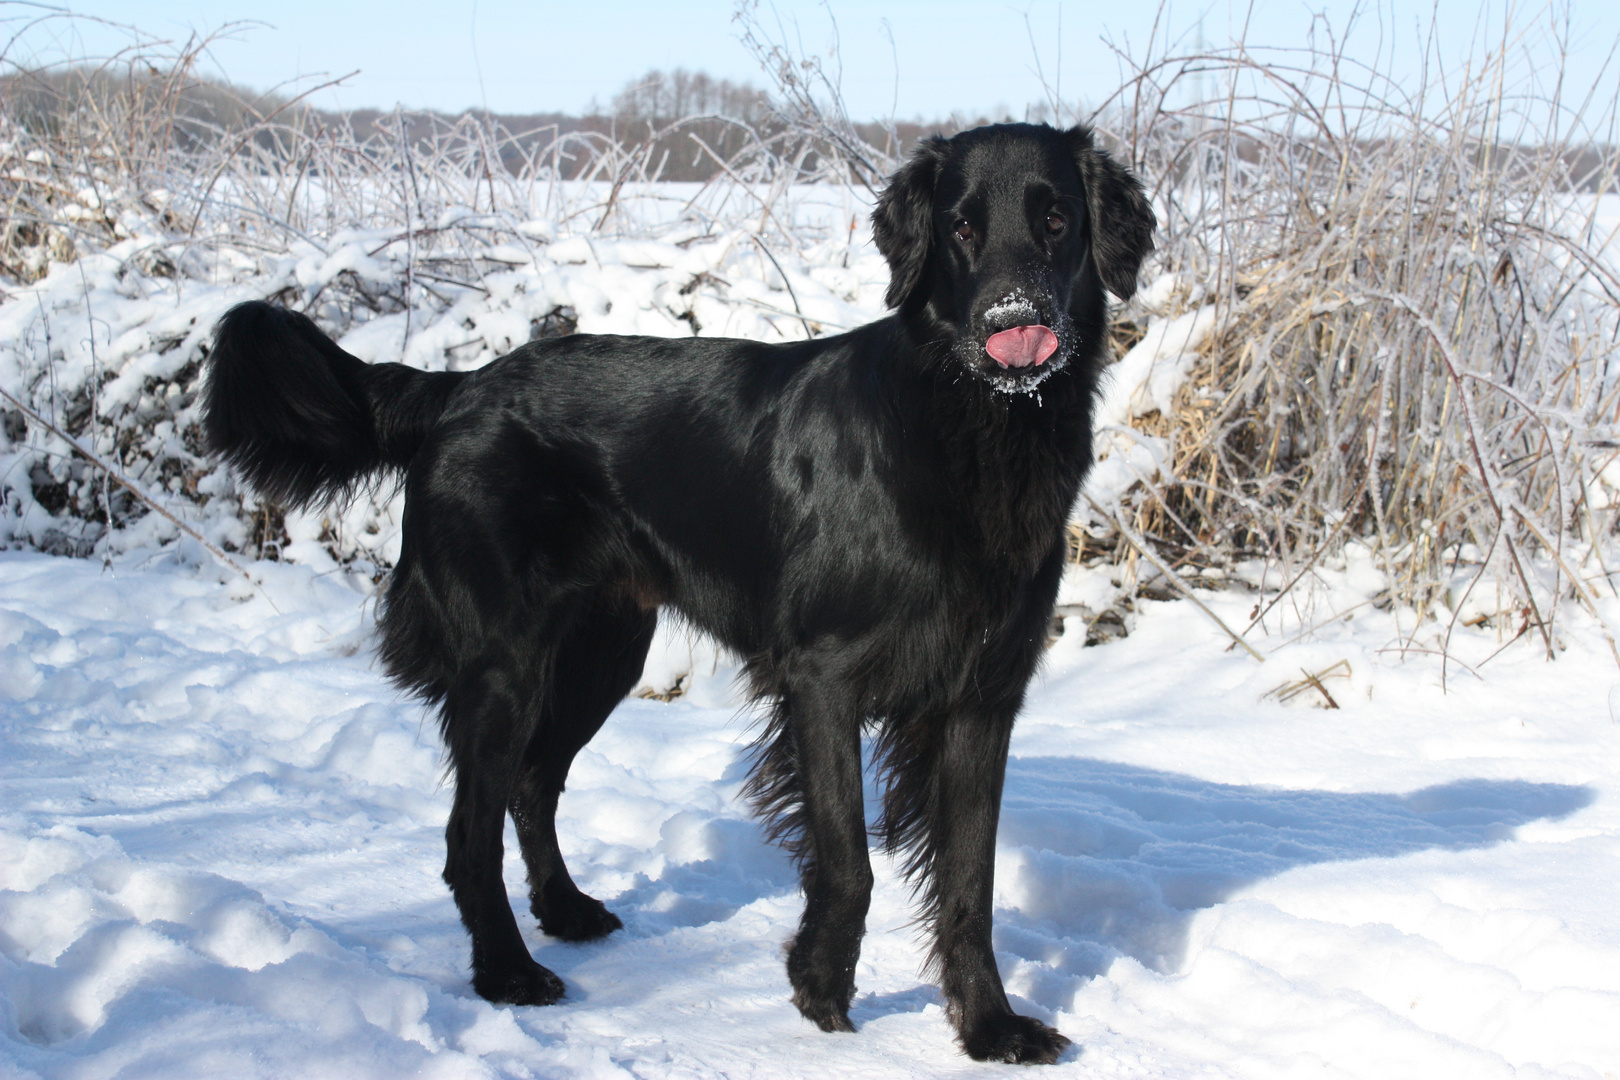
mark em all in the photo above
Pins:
pixel 221 829
pixel 221 832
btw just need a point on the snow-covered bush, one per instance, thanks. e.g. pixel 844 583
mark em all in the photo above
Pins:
pixel 1389 320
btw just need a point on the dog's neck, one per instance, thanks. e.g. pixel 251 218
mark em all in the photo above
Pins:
pixel 1011 463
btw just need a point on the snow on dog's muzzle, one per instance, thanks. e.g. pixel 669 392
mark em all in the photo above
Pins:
pixel 1022 346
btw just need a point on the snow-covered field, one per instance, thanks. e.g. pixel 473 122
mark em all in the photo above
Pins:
pixel 221 834
pixel 221 829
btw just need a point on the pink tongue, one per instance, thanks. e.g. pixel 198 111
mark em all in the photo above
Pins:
pixel 1022 346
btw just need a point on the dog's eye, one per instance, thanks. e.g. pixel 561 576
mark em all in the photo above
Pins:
pixel 1055 224
pixel 964 231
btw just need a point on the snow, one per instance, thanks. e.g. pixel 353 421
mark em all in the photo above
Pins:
pixel 1147 377
pixel 221 831
pixel 1143 381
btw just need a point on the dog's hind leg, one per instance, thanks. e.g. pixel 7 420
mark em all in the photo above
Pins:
pixel 489 713
pixel 596 665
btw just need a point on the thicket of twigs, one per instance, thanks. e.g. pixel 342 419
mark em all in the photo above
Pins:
pixel 1417 336
pixel 143 137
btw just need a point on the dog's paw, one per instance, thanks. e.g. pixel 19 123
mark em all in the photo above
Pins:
pixel 826 1013
pixel 576 917
pixel 531 985
pixel 1019 1040
pixel 820 995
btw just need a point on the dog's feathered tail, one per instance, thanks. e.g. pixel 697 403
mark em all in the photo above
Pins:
pixel 303 420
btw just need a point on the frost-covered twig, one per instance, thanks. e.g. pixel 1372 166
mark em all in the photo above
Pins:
pixel 1182 587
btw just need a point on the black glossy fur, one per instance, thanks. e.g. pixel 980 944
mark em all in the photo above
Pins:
pixel 874 521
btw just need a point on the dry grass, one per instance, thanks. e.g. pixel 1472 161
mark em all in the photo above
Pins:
pixel 1419 347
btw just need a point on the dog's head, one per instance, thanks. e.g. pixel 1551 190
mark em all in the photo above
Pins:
pixel 1000 241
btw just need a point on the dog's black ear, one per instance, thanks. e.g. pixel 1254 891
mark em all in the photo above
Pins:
pixel 1121 220
pixel 903 223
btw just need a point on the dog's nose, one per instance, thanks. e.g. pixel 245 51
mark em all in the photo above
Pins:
pixel 1011 312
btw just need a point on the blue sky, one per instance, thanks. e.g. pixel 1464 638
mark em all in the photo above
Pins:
pixel 906 59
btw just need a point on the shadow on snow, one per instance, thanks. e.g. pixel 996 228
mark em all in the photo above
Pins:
pixel 1099 860
pixel 1103 859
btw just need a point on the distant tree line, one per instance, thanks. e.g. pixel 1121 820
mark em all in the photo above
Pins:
pixel 682 124
pixel 677 125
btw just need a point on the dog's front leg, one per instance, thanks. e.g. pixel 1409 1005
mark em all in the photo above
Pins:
pixel 970 768
pixel 836 870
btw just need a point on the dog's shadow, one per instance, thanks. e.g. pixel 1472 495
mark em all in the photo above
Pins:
pixel 1099 859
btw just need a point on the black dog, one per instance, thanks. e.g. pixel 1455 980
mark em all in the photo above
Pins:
pixel 873 521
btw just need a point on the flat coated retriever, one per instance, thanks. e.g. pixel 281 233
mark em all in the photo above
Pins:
pixel 874 522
